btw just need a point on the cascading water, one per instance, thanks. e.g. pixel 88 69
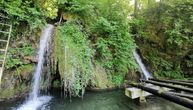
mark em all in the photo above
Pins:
pixel 34 101
pixel 146 73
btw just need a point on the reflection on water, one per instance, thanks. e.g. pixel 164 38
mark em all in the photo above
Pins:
pixel 115 100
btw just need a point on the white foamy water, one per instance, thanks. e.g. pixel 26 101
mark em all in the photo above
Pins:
pixel 142 66
pixel 34 101
pixel 34 104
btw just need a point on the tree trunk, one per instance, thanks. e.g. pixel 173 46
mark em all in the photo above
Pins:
pixel 136 8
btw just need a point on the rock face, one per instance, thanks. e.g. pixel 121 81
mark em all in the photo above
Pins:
pixel 30 59
pixel 100 79
pixel 16 84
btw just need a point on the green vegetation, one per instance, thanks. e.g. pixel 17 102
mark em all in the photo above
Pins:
pixel 15 56
pixel 164 34
pixel 92 31
pixel 22 13
pixel 94 39
pixel 73 56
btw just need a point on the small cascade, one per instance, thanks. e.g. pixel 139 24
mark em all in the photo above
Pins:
pixel 35 101
pixel 144 70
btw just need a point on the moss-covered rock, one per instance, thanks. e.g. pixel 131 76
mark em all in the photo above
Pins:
pixel 101 79
pixel 16 83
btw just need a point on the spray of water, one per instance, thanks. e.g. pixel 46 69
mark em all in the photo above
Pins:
pixel 34 101
pixel 144 70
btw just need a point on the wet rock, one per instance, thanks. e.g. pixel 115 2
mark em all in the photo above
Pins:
pixel 30 59
pixel 101 80
pixel 16 83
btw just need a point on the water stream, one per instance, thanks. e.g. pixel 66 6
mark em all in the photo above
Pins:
pixel 35 101
pixel 144 70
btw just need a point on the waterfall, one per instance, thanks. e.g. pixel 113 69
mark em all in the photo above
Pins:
pixel 144 70
pixel 35 101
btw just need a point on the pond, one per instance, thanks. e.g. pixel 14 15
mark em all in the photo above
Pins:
pixel 114 100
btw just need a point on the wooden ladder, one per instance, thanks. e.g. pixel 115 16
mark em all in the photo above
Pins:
pixel 4 42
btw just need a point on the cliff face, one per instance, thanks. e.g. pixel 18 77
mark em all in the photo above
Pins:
pixel 16 84
pixel 20 64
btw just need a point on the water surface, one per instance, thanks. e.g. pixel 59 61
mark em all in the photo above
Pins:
pixel 115 100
